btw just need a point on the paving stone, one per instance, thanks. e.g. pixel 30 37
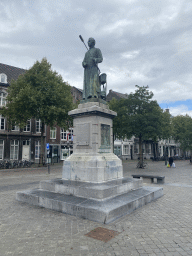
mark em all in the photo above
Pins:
pixel 163 224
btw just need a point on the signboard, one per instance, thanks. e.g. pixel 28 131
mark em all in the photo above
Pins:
pixel 47 145
pixel 105 135
pixel 83 134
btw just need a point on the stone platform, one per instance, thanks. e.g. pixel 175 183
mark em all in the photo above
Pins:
pixel 92 184
pixel 97 202
pixel 96 191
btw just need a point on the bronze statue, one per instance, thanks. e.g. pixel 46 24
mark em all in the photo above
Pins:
pixel 91 84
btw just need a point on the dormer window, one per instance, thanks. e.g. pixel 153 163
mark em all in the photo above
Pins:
pixel 3 78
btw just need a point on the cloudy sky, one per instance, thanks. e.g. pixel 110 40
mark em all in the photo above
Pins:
pixel 143 42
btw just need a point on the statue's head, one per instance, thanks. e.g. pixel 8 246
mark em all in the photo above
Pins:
pixel 91 42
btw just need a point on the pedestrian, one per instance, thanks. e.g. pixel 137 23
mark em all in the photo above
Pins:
pixel 170 161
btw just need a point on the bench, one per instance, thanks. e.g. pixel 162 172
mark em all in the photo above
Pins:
pixel 159 179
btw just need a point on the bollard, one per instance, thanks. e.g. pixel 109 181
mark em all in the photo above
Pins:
pixel 48 168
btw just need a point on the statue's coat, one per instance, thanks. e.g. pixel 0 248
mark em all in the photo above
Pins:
pixel 91 85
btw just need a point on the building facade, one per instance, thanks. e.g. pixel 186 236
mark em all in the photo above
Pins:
pixel 16 143
pixel 129 148
pixel 61 140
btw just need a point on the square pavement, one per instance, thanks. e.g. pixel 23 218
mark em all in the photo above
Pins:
pixel 163 227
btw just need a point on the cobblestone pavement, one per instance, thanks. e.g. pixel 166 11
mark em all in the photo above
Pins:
pixel 163 227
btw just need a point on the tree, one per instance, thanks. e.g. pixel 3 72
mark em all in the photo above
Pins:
pixel 40 93
pixel 121 123
pixel 138 116
pixel 182 131
pixel 166 125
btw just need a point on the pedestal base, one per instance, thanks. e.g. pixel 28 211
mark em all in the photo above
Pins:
pixel 92 167
pixel 97 202
pixel 96 191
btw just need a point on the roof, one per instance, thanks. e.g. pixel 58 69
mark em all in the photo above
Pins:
pixel 11 72
pixel 116 95
pixel 78 89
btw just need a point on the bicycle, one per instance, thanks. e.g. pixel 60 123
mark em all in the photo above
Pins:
pixel 142 165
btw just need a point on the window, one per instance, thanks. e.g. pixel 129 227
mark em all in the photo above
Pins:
pixel 67 135
pixel 53 133
pixel 3 96
pixel 136 149
pixel 1 149
pixel 2 123
pixel 148 148
pixel 26 142
pixel 27 128
pixel 143 149
pixel 3 78
pixel 14 150
pixel 38 125
pixel 15 128
pixel 70 134
pixel 37 149
pixel 126 150
pixel 63 134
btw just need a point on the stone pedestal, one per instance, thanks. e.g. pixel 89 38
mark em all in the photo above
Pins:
pixel 92 159
pixel 92 184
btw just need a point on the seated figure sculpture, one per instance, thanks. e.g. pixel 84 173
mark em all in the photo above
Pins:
pixel 91 85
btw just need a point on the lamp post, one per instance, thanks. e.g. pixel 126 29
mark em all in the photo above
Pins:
pixel 68 143
pixel 48 151
pixel 165 153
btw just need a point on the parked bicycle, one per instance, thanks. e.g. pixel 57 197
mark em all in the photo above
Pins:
pixel 9 164
pixel 2 164
pixel 142 164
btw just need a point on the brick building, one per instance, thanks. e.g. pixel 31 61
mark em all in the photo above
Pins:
pixel 16 143
pixel 24 144
pixel 61 140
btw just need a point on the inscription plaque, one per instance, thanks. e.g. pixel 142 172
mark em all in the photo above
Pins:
pixel 83 134
pixel 105 136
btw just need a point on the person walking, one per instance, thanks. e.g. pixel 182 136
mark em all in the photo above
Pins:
pixel 170 161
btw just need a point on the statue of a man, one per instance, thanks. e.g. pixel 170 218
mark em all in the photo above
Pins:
pixel 91 85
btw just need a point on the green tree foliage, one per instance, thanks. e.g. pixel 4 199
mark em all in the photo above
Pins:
pixel 139 116
pixel 121 123
pixel 166 125
pixel 40 93
pixel 182 131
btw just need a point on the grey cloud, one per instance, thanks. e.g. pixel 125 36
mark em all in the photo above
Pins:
pixel 155 35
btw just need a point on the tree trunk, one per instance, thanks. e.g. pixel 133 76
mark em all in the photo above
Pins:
pixel 157 151
pixel 140 164
pixel 154 151
pixel 131 152
pixel 42 150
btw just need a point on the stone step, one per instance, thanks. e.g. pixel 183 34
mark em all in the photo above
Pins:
pixel 101 211
pixel 97 191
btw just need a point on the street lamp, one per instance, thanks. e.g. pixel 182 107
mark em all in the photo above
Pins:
pixel 166 153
